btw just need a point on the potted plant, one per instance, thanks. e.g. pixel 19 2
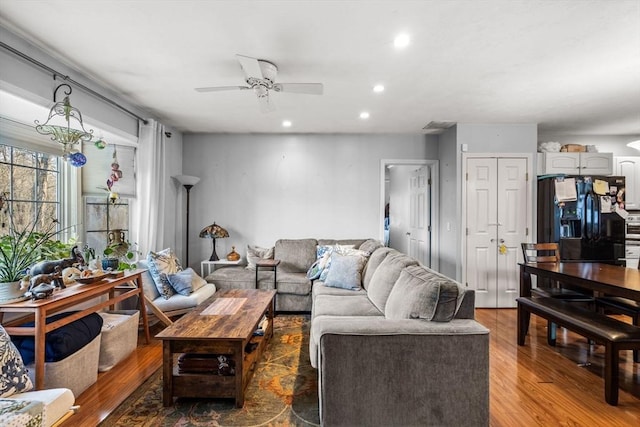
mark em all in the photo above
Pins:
pixel 119 256
pixel 20 249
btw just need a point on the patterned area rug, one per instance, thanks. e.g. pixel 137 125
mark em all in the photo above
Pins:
pixel 282 392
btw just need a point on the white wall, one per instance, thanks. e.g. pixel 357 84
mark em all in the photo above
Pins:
pixel 265 187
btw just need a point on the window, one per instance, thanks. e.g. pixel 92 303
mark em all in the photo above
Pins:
pixel 30 188
pixel 105 221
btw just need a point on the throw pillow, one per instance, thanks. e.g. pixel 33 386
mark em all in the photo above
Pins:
pixel 161 262
pixel 255 254
pixel 13 374
pixel 186 281
pixel 321 263
pixel 342 250
pixel 345 271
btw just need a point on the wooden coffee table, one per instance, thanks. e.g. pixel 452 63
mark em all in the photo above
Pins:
pixel 222 325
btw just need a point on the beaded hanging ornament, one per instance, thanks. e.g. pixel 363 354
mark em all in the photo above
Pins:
pixel 115 175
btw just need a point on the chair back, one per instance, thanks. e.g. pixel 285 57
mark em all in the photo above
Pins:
pixel 540 252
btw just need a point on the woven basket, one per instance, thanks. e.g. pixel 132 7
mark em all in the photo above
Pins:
pixel 11 292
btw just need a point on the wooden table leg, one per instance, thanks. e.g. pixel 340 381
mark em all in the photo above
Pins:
pixel 143 308
pixel 167 373
pixel 238 357
pixel 525 291
pixel 39 341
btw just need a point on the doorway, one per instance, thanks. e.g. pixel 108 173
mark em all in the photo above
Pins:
pixel 497 206
pixel 408 210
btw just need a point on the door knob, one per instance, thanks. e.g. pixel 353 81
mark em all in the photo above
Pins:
pixel 408 233
pixel 501 240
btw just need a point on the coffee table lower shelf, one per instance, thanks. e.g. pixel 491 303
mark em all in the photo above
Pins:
pixel 212 385
pixel 178 340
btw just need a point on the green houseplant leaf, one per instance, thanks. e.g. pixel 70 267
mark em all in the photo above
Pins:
pixel 20 249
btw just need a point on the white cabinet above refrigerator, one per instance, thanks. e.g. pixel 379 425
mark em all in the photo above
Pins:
pixel 572 163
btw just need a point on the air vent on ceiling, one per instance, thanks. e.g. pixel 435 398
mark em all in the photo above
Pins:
pixel 435 127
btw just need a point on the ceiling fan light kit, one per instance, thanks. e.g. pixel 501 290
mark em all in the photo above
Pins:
pixel 260 75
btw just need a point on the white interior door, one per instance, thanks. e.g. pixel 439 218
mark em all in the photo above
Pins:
pixel 512 214
pixel 497 214
pixel 481 219
pixel 419 234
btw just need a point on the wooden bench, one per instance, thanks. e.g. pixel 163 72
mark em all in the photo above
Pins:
pixel 613 334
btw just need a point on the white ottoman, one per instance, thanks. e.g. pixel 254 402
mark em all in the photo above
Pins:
pixel 119 337
pixel 77 372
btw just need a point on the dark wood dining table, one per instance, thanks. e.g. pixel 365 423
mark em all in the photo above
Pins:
pixel 600 278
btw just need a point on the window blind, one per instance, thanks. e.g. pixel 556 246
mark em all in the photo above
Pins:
pixel 98 169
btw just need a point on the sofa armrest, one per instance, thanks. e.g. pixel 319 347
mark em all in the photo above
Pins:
pixel 376 371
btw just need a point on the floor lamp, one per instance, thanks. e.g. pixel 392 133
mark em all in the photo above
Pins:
pixel 187 182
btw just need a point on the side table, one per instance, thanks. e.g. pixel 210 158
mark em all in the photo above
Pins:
pixel 273 265
pixel 214 264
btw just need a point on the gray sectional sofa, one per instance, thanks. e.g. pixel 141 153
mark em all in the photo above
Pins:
pixel 400 349
pixel 404 350
pixel 293 286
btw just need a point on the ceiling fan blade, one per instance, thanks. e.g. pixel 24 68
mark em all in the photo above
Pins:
pixel 308 88
pixel 250 66
pixel 220 88
pixel 266 104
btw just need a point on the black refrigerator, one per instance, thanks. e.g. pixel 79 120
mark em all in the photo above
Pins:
pixel 586 221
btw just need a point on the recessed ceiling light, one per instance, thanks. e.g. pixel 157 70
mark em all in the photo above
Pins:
pixel 378 88
pixel 286 124
pixel 401 40
pixel 364 115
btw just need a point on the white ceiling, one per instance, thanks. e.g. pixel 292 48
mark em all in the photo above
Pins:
pixel 571 66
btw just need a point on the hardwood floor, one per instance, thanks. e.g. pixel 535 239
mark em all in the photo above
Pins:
pixel 534 385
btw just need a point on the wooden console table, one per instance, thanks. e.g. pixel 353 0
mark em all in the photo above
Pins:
pixel 64 299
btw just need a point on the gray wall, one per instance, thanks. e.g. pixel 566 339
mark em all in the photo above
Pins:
pixel 265 187
pixel 450 205
pixel 477 138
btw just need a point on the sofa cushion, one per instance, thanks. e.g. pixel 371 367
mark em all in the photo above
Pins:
pixel 161 262
pixel 385 276
pixel 295 255
pixel 13 376
pixel 291 283
pixel 182 303
pixel 255 254
pixel 421 293
pixel 320 289
pixel 330 242
pixel 377 256
pixel 335 305
pixel 57 402
pixel 370 245
pixel 345 271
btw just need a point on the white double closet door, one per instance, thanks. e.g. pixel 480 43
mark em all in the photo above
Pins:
pixel 498 216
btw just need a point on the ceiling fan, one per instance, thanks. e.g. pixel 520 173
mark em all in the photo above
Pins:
pixel 260 76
